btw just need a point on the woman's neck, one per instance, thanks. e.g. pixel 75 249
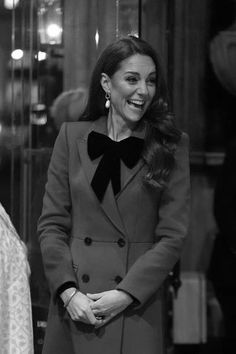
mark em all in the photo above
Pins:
pixel 118 129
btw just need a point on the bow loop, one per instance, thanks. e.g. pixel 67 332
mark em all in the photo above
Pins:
pixel 127 150
pixel 97 144
pixel 130 150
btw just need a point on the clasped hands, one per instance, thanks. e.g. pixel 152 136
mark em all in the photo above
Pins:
pixel 97 309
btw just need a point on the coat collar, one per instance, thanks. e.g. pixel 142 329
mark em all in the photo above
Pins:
pixel 109 203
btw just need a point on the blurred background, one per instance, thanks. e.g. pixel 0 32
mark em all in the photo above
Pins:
pixel 47 51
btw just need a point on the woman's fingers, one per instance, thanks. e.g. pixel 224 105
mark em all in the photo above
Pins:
pixel 106 305
pixel 85 317
pixel 95 296
pixel 96 312
pixel 105 320
pixel 80 310
pixel 99 308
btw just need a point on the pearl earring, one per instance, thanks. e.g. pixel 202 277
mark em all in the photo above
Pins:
pixel 108 102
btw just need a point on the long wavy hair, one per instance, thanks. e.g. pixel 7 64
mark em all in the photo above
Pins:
pixel 161 134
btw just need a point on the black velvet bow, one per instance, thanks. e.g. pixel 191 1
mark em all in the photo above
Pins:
pixel 127 150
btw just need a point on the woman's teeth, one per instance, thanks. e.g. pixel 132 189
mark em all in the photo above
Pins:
pixel 136 103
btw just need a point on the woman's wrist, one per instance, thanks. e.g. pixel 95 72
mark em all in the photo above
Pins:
pixel 67 295
pixel 128 299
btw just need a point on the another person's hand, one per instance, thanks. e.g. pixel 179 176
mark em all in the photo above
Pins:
pixel 79 307
pixel 108 304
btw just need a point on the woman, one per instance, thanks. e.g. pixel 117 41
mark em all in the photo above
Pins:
pixel 115 210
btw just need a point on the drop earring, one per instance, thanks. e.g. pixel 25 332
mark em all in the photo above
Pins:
pixel 108 102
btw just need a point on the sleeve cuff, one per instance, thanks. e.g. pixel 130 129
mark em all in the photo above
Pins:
pixel 67 285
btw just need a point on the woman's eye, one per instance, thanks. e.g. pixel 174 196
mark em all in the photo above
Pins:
pixel 152 81
pixel 131 79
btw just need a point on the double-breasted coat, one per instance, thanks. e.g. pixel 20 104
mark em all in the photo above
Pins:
pixel 128 242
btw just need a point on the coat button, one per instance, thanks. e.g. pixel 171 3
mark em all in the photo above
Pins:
pixel 87 241
pixel 85 278
pixel 121 242
pixel 118 279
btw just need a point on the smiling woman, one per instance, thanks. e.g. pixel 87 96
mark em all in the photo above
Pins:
pixel 131 90
pixel 115 211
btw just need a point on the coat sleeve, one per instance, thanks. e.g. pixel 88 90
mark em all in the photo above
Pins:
pixel 54 224
pixel 150 270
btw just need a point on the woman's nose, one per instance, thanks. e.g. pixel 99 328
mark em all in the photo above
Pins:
pixel 142 88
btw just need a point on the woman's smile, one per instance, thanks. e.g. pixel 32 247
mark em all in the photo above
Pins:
pixel 138 104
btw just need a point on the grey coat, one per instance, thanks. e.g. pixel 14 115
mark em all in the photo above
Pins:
pixel 129 243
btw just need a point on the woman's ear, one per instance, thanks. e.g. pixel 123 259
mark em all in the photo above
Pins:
pixel 105 82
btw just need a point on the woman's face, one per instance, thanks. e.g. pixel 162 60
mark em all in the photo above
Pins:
pixel 132 88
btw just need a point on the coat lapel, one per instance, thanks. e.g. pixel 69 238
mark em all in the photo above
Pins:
pixel 88 165
pixel 129 174
pixel 109 204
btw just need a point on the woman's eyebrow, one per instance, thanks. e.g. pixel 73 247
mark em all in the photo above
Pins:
pixel 137 73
